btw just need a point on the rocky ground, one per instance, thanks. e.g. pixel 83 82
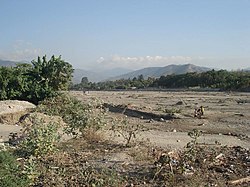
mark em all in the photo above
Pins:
pixel 159 155
pixel 226 120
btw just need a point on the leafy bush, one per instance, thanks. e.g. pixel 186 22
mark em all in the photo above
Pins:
pixel 76 114
pixel 10 171
pixel 35 82
pixel 41 138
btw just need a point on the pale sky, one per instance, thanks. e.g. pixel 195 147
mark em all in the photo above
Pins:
pixel 131 34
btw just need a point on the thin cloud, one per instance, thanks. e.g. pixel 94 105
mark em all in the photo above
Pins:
pixel 21 51
pixel 144 61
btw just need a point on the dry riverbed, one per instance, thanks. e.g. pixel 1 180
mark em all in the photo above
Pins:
pixel 226 120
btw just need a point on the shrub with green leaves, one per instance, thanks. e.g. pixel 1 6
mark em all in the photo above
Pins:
pixel 11 172
pixel 41 138
pixel 76 114
pixel 36 81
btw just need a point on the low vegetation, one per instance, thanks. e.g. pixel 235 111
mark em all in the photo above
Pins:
pixel 77 115
pixel 222 80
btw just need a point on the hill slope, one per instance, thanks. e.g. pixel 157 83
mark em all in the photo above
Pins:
pixel 98 75
pixel 162 71
pixel 7 63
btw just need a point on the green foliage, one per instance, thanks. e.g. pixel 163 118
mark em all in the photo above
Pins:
pixel 31 169
pixel 10 171
pixel 47 77
pixel 139 82
pixel 35 82
pixel 85 80
pixel 222 79
pixel 41 138
pixel 13 83
pixel 76 114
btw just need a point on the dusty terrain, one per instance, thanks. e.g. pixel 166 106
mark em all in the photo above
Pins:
pixel 221 157
pixel 226 120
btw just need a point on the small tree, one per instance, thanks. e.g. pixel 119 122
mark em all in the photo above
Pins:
pixel 84 80
pixel 47 77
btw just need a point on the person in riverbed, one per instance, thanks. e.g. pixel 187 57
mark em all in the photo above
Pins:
pixel 199 112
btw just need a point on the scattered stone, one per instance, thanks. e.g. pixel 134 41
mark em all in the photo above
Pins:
pixel 179 103
pixel 151 121
pixel 178 140
pixel 174 130
pixel 201 124
pixel 239 114
pixel 162 120
pixel 219 156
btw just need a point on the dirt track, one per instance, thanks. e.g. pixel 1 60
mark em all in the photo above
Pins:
pixel 226 120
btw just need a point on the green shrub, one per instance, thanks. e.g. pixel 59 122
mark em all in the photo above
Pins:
pixel 76 114
pixel 41 139
pixel 35 82
pixel 10 171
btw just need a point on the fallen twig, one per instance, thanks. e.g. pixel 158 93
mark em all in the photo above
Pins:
pixel 239 181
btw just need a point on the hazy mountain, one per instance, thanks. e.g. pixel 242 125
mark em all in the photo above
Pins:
pixel 97 76
pixel 246 69
pixel 80 73
pixel 7 63
pixel 114 72
pixel 159 71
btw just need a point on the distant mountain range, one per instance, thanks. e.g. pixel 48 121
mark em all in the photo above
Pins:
pixel 99 75
pixel 116 74
pixel 121 73
pixel 162 71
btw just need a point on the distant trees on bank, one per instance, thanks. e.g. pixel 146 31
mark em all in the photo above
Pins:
pixel 36 81
pixel 222 80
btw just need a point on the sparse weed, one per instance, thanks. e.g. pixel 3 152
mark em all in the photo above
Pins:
pixel 168 166
pixel 191 151
pixel 128 132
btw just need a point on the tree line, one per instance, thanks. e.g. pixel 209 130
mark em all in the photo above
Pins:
pixel 36 81
pixel 221 79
